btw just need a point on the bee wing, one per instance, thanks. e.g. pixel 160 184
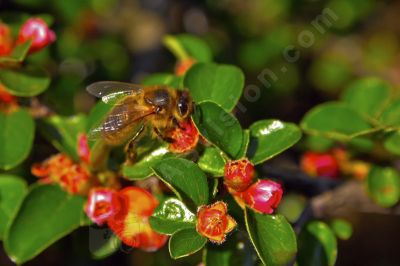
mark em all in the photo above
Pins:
pixel 121 123
pixel 113 91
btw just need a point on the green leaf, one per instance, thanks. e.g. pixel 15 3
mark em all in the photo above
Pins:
pixel 185 178
pixel 368 96
pixel 219 127
pixel 268 138
pixel 12 191
pixel 392 143
pixel 162 78
pixel 334 120
pixel 185 242
pixel 16 137
pixel 272 236
pixel 221 84
pixel 186 46
pixel 17 55
pixel 50 213
pixel 170 216
pixel 317 245
pixel 384 185
pixel 229 253
pixel 142 169
pixel 103 243
pixel 26 81
pixel 212 161
pixel 342 229
pixel 390 115
pixel 63 132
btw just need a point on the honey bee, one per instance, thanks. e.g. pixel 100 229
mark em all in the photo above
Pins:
pixel 135 107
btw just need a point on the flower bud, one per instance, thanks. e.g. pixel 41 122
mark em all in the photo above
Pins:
pixel 132 225
pixel 238 175
pixel 263 196
pixel 213 222
pixel 102 203
pixel 320 164
pixel 184 138
pixel 36 29
pixel 6 41
pixel 83 148
pixel 183 66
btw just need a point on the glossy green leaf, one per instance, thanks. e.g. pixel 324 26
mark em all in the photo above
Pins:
pixel 185 242
pixel 319 143
pixel 221 84
pixel 212 161
pixel 219 127
pixel 390 115
pixel 162 78
pixel 26 81
pixel 63 132
pixel 245 144
pixel 16 137
pixel 368 96
pixel 272 236
pixel 334 120
pixel 195 47
pixel 17 55
pixel 392 143
pixel 185 178
pixel 342 229
pixel 142 169
pixel 317 245
pixel 268 138
pixel 170 216
pixel 384 185
pixel 46 215
pixel 12 191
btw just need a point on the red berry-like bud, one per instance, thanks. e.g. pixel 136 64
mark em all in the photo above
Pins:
pixel 263 196
pixel 102 203
pixel 238 175
pixel 83 148
pixel 320 164
pixel 184 138
pixel 183 66
pixel 36 29
pixel 6 41
pixel 213 222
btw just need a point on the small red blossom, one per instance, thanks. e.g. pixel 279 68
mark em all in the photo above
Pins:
pixel 37 30
pixel 83 148
pixel 183 66
pixel 6 97
pixel 213 222
pixel 132 225
pixel 184 138
pixel 238 175
pixel 72 177
pixel 263 196
pixel 6 40
pixel 320 164
pixel 102 203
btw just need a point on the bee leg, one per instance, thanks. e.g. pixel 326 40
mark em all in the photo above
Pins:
pixel 130 147
pixel 162 136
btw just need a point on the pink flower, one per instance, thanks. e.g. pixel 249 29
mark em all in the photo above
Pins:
pixel 102 204
pixel 36 29
pixel 263 196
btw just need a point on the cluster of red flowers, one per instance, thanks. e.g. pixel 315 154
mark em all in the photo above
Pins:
pixel 127 214
pixel 34 29
pixel 333 164
pixel 262 196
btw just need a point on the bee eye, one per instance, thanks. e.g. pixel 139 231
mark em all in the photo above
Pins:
pixel 183 106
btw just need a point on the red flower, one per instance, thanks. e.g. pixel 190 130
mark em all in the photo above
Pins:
pixel 36 29
pixel 131 224
pixel 6 41
pixel 213 222
pixel 5 96
pixel 184 138
pixel 320 164
pixel 72 177
pixel 183 66
pixel 83 148
pixel 263 196
pixel 238 175
pixel 102 204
